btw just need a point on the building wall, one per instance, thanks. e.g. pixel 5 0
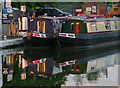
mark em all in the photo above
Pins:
pixel 100 6
pixel 71 6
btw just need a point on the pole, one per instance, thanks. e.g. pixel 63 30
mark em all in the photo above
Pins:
pixel 7 28
pixel 3 4
pixel 11 27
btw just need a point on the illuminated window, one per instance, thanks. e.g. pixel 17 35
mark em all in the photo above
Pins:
pixel 107 26
pixel 77 27
pixel 93 27
pixel 115 25
pixel 72 27
pixel 38 25
pixel 43 26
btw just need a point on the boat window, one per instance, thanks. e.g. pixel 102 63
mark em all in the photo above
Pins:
pixel 43 26
pixel 72 27
pixel 43 67
pixel 38 25
pixel 77 27
pixel 93 27
pixel 107 26
pixel 115 25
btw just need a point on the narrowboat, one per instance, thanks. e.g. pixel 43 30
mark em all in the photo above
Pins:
pixel 42 31
pixel 90 31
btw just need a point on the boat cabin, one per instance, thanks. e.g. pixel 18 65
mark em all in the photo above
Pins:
pixel 86 26
pixel 46 24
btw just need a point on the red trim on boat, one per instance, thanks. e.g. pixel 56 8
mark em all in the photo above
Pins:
pixel 91 21
pixel 103 32
pixel 101 20
pixel 36 35
pixel 62 34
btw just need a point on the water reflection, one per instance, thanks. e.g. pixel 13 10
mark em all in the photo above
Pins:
pixel 61 67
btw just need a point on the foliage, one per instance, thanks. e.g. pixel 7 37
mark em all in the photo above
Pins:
pixel 54 81
pixel 33 5
pixel 93 76
pixel 36 5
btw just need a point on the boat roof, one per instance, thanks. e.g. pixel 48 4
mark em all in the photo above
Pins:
pixel 98 19
pixel 83 18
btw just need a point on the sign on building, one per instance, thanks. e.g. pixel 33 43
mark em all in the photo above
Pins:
pixel 94 9
pixel 78 10
pixel 9 10
pixel 88 8
pixel 4 16
pixel 8 3
pixel 23 8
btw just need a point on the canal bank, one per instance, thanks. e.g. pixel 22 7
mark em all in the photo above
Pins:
pixel 11 42
pixel 7 38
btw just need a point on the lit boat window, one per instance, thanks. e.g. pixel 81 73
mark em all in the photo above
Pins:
pixel 107 26
pixel 115 25
pixel 72 27
pixel 93 26
pixel 38 26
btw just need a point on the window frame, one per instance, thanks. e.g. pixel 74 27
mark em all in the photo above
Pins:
pixel 91 27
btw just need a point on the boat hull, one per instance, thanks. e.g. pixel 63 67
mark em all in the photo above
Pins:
pixel 35 41
pixel 89 39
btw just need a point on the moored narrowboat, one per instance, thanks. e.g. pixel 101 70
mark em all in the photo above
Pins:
pixel 86 32
pixel 42 31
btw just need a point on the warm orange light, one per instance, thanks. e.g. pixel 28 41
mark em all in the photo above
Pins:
pixel 38 67
pixel 77 70
pixel 72 69
pixel 12 57
pixel 77 27
pixel 93 67
pixel 72 23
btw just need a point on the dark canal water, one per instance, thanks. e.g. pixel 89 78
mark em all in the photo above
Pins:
pixel 68 66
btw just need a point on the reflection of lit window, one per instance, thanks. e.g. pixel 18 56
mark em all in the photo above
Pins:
pixel 72 27
pixel 115 25
pixel 43 67
pixel 23 76
pixel 107 26
pixel 5 70
pixel 93 27
pixel 9 77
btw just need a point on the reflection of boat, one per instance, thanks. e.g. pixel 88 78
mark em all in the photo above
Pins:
pixel 53 68
pixel 38 52
pixel 71 59
pixel 84 32
pixel 102 66
pixel 68 53
pixel 86 53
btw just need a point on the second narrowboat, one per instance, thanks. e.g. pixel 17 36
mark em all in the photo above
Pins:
pixel 92 31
